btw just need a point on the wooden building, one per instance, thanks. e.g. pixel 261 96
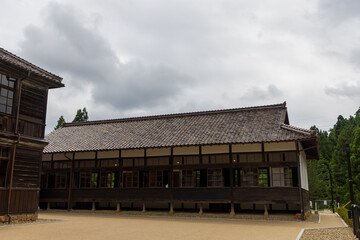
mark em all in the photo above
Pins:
pixel 23 99
pixel 233 160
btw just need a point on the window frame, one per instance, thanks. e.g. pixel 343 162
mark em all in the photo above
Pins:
pixel 221 178
pixel 7 88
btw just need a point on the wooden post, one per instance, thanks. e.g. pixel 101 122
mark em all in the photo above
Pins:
pixel 201 212
pixel 144 208
pixel 93 207
pixel 118 207
pixel 48 206
pixel 232 213
pixel 171 212
pixel 299 180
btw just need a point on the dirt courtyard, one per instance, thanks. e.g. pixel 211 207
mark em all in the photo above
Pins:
pixel 99 226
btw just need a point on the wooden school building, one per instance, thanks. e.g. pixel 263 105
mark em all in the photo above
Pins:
pixel 242 159
pixel 23 99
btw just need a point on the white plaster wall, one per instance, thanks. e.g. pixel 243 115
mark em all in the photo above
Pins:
pixel 281 146
pixel 46 157
pixel 252 147
pixel 85 155
pixel 108 154
pixel 154 152
pixel 215 149
pixel 303 171
pixel 133 153
pixel 191 150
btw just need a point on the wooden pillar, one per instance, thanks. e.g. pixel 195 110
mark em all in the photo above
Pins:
pixel 93 207
pixel 48 206
pixel 171 212
pixel 144 207
pixel 232 213
pixel 118 207
pixel 201 212
pixel 299 180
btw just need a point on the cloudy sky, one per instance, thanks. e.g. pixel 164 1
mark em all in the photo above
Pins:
pixel 133 58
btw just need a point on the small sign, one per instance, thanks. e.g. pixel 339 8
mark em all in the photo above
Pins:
pixel 325 202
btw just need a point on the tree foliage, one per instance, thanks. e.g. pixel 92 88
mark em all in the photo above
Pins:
pixel 81 116
pixel 60 122
pixel 332 144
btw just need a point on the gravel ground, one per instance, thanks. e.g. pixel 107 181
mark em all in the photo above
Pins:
pixel 343 233
pixel 271 217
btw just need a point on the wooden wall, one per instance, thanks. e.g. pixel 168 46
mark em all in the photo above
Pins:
pixel 22 201
pixel 27 168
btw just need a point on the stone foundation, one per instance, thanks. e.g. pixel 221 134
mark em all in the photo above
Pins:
pixel 306 215
pixel 19 218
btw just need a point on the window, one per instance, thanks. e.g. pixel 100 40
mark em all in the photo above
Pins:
pixel 249 177
pixel 107 180
pixel 155 161
pixel 131 179
pixel 88 180
pixel 4 161
pixel 215 159
pixel 109 163
pixel 263 177
pixel 6 94
pixel 282 177
pixel 214 178
pixel 248 157
pixel 281 157
pixel 187 178
pixel 139 162
pixel 186 160
pixel 60 180
pixel 127 162
pixel 61 164
pixel 155 179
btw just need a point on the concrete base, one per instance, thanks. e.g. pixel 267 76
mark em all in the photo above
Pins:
pixel 266 211
pixel 144 208
pixel 201 212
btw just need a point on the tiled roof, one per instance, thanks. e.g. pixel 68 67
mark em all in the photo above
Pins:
pixel 241 125
pixel 12 59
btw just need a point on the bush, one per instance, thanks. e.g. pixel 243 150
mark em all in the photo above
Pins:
pixel 343 214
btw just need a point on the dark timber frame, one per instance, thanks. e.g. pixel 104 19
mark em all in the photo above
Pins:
pixel 22 133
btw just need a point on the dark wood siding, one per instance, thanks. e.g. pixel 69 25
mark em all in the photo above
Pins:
pixel 33 102
pixel 22 201
pixel 27 168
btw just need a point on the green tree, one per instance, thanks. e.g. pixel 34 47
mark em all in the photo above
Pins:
pixel 60 122
pixel 81 115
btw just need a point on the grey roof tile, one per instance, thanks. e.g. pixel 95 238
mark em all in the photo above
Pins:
pixel 241 125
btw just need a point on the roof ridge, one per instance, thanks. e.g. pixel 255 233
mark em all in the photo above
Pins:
pixel 58 78
pixel 297 129
pixel 173 115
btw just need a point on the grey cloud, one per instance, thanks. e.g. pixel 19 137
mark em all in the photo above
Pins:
pixel 345 90
pixel 257 93
pixel 337 11
pixel 65 46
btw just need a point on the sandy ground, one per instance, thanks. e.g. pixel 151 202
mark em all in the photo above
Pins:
pixel 100 226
